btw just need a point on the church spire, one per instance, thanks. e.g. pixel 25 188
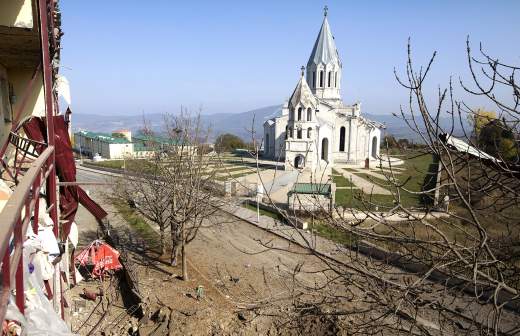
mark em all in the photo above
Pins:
pixel 324 65
pixel 324 50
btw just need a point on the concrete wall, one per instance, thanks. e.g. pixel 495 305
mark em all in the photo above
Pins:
pixel 16 13
pixel 20 79
pixel 5 106
pixel 35 104
pixel 119 151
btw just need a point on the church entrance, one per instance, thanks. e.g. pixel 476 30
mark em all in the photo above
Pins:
pixel 374 147
pixel 299 161
pixel 325 149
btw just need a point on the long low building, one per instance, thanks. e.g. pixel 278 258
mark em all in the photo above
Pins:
pixel 106 145
pixel 122 144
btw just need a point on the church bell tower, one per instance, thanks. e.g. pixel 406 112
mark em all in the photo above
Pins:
pixel 324 66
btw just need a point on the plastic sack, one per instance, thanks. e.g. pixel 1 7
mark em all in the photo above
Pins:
pixel 12 312
pixel 41 318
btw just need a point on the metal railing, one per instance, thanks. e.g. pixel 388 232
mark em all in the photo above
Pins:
pixel 21 209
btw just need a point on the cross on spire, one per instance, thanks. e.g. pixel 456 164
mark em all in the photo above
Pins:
pixel 325 10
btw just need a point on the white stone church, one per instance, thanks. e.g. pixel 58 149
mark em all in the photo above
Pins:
pixel 317 129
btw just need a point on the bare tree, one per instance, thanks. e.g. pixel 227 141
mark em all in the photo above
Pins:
pixel 145 191
pixel 190 174
pixel 175 186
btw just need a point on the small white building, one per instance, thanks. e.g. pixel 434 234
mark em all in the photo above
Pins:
pixel 106 145
pixel 316 128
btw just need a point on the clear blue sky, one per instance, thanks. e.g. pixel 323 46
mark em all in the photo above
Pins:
pixel 126 57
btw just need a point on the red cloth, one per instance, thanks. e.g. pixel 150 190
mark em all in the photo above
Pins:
pixel 36 129
pixel 103 256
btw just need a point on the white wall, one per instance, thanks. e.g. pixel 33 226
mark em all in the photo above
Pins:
pixel 119 151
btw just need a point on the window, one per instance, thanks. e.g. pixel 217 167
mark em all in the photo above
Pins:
pixel 321 78
pixel 286 132
pixel 342 139
pixel 336 79
pixel 299 133
pixel 309 132
pixel 309 114
pixel 290 133
pixel 330 78
pixel 291 114
pixel 299 113
pixel 314 79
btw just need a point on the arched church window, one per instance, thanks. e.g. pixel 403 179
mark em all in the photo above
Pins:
pixel 314 79
pixel 291 114
pixel 290 133
pixel 336 79
pixel 299 133
pixel 330 78
pixel 286 132
pixel 309 114
pixel 309 132
pixel 342 139
pixel 299 113
pixel 321 78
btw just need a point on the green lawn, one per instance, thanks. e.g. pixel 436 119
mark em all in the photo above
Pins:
pixel 132 165
pixel 419 174
pixel 114 164
pixel 234 176
pixel 355 198
pixel 230 170
pixel 320 229
pixel 145 231
pixel 331 233
pixel 340 180
pixel 263 212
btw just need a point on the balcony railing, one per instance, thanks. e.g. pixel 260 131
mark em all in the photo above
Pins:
pixel 20 211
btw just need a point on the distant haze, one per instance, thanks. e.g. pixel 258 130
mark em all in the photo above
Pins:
pixel 239 124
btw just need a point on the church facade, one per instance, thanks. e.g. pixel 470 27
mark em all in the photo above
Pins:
pixel 316 129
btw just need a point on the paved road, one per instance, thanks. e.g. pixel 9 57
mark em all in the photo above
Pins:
pixel 230 249
pixel 282 179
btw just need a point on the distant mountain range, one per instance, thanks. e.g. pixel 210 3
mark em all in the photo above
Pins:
pixel 239 124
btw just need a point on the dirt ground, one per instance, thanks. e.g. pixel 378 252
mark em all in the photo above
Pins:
pixel 244 290
pixel 247 287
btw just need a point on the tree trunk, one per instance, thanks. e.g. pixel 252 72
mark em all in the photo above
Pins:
pixel 161 243
pixel 174 253
pixel 183 251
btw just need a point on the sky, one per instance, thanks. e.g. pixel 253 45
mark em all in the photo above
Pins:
pixel 126 57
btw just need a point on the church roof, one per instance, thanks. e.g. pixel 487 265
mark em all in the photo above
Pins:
pixel 324 51
pixel 302 94
pixel 269 122
pixel 372 123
